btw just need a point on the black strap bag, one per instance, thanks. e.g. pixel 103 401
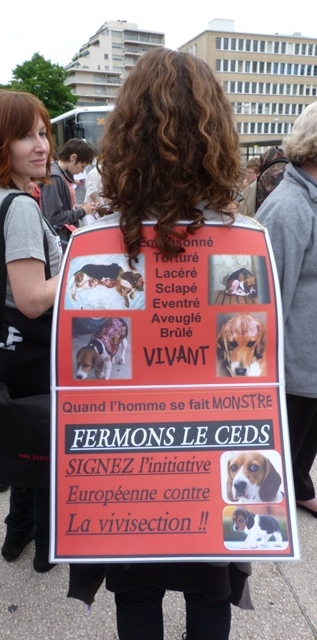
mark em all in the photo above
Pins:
pixel 24 421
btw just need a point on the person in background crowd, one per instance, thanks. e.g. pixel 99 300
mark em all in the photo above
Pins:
pixel 251 172
pixel 170 153
pixel 58 199
pixel 26 147
pixel 290 215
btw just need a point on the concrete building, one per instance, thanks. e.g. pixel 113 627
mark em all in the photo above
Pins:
pixel 269 79
pixel 98 69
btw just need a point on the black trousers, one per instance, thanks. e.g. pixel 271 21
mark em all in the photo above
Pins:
pixel 140 616
pixel 302 420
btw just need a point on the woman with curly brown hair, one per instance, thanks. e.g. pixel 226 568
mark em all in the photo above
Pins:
pixel 170 153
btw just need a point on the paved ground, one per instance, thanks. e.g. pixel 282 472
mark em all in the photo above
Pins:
pixel 35 607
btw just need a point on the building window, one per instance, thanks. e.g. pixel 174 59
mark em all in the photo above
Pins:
pixel 253 90
pixel 295 69
pixel 240 66
pixel 310 49
pixel 218 65
pixel 232 65
pixel 247 87
pixel 269 46
pixel 300 108
pixel 267 88
pixel 245 127
pixel 276 47
pixel 259 127
pixel 282 67
pixel 233 87
pixel 247 66
pixel 261 67
pixel 280 109
pixel 303 49
pixel 233 44
pixel 273 126
pixel 225 64
pixel 302 69
pixel 252 127
pixel 287 109
pixel 240 43
pixel 254 67
pixel 294 89
pixel 106 56
pixel 248 45
pixel 225 86
pixel 315 69
pixel 296 49
pixel 239 87
pixel 255 45
pixel 239 107
pixel 226 43
pixel 261 87
pixel 279 127
pixel 293 109
pixel 274 108
pixel 266 127
pixel 268 67
pixel 283 47
pixel 218 43
pixel 289 69
pixel 281 89
pixel 253 107
pixel 260 108
pixel 309 68
pixel 301 89
pixel 275 68
pixel 262 46
pixel 274 89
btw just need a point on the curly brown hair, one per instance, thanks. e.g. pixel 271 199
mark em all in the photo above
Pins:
pixel 169 144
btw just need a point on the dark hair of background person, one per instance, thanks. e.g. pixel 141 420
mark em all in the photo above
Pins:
pixel 18 112
pixel 169 144
pixel 84 151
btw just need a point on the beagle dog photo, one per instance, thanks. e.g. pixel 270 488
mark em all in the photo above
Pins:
pixel 251 476
pixel 105 282
pixel 241 283
pixel 98 355
pixel 241 346
pixel 258 528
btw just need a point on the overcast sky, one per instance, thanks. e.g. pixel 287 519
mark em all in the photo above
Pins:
pixel 58 29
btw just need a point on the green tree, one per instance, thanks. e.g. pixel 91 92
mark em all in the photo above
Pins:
pixel 46 81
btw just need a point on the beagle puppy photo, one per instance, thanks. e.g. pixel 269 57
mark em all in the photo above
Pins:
pixel 105 282
pixel 241 346
pixel 251 477
pixel 260 530
pixel 254 528
pixel 105 348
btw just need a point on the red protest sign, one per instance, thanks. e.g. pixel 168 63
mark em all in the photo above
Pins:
pixel 169 410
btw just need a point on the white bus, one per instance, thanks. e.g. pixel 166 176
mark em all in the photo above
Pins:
pixel 81 122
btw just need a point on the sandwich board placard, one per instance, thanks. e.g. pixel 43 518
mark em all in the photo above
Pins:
pixel 169 425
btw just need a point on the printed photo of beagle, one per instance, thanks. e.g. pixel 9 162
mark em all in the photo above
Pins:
pixel 105 282
pixel 241 347
pixel 259 529
pixel 252 477
pixel 241 283
pixel 98 355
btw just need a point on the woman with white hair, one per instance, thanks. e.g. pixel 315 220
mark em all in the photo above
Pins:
pixel 290 215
